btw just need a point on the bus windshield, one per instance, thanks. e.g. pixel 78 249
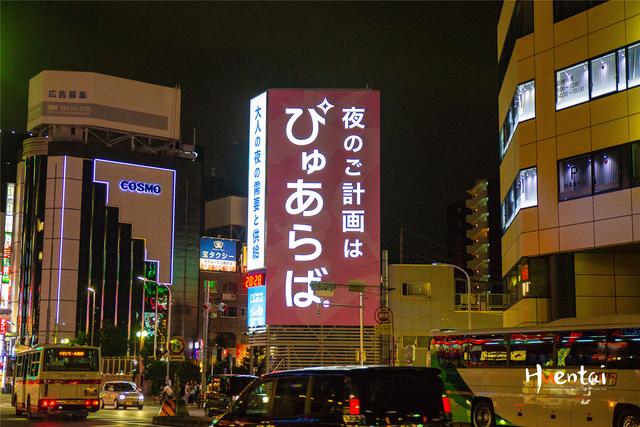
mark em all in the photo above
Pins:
pixel 71 359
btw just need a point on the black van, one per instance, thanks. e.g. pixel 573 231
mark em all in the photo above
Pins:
pixel 342 396
pixel 222 389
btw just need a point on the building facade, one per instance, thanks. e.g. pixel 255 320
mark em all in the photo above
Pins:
pixel 569 132
pixel 423 298
pixel 100 213
pixel 225 222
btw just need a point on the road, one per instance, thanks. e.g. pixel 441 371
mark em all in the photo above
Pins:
pixel 104 417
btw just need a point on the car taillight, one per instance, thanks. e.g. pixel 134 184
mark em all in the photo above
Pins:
pixel 354 406
pixel 96 402
pixel 446 405
pixel 47 403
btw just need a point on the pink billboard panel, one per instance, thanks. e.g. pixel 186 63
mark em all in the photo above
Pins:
pixel 322 204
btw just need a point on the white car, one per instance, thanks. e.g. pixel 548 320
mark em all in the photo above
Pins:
pixel 121 394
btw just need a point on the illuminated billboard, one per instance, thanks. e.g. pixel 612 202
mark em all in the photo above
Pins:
pixel 218 254
pixel 315 154
pixel 78 98
pixel 256 307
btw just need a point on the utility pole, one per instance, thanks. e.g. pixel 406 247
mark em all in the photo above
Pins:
pixel 205 341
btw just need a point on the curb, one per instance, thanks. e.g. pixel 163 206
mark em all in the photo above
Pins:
pixel 187 421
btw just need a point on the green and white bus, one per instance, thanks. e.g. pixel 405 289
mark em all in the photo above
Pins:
pixel 562 374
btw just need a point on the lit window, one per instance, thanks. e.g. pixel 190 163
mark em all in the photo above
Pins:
pixel 622 69
pixel 523 107
pixel 609 170
pixel 633 60
pixel 527 101
pixel 572 85
pixel 603 75
pixel 522 194
pixel 574 177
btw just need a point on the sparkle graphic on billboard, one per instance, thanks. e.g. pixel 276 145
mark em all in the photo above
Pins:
pixel 321 178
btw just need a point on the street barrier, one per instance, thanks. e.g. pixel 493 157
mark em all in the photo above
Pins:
pixel 168 408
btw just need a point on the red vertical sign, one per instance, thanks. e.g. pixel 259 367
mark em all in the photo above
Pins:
pixel 323 204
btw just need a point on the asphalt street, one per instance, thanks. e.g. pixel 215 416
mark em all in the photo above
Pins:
pixel 104 417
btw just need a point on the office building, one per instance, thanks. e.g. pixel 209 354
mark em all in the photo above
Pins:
pixel 104 195
pixel 569 139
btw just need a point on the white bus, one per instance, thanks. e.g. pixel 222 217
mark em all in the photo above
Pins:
pixel 57 379
pixel 566 373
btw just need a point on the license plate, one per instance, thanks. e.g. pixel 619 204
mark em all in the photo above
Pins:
pixel 90 392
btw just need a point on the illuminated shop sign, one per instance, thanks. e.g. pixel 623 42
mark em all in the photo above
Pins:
pixel 323 210
pixel 256 306
pixel 140 187
pixel 218 254
pixel 5 284
pixel 254 279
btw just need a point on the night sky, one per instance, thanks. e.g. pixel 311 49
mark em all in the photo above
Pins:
pixel 434 63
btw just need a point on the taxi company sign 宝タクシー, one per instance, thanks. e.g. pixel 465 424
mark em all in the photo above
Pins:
pixel 140 187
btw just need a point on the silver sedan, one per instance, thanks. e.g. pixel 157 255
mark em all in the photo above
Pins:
pixel 121 394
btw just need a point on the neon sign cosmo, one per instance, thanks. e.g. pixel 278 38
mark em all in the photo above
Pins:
pixel 140 187
pixel 561 378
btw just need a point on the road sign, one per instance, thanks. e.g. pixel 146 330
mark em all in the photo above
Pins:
pixel 176 345
pixel 383 315
pixel 383 329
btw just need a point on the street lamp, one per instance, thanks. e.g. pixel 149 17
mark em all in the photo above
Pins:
pixel 468 288
pixel 155 334
pixel 92 292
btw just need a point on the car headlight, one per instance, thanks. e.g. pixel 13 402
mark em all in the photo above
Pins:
pixel 141 397
pixel 121 397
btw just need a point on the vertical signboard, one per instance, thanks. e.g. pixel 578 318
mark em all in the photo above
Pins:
pixel 323 203
pixel 5 285
pixel 257 183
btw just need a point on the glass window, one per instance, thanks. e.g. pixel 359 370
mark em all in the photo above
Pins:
pixel 574 177
pixel 290 397
pixel 571 85
pixel 633 60
pixel 635 163
pixel 451 352
pixel 256 400
pixel 583 348
pixel 400 396
pixel 526 101
pixel 623 348
pixel 490 350
pixel 622 69
pixel 522 194
pixel 423 341
pixel 528 186
pixel 607 170
pixel 531 349
pixel 329 395
pixel 603 75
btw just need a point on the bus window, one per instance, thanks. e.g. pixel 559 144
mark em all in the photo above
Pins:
pixel 582 348
pixel 623 348
pixel 19 366
pixel 451 351
pixel 531 349
pixel 488 350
